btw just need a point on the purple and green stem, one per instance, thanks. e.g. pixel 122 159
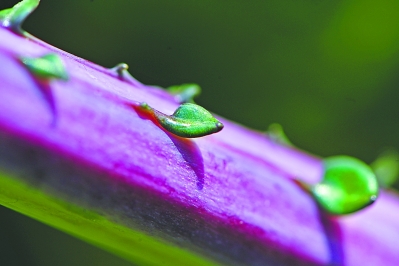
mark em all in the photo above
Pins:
pixel 95 167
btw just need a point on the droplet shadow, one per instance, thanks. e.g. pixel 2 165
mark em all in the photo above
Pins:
pixel 192 155
pixel 187 148
pixel 44 88
pixel 333 237
pixel 48 96
pixel 331 229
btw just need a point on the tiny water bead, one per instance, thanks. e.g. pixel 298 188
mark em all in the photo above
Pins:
pixel 188 121
pixel 348 185
pixel 49 66
pixel 13 18
pixel 185 93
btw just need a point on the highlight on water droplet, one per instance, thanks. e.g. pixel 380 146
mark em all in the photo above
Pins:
pixel 49 66
pixel 13 17
pixel 185 93
pixel 188 121
pixel 348 185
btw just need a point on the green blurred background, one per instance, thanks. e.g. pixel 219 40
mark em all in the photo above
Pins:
pixel 326 70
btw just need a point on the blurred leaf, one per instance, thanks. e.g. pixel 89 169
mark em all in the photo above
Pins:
pixel 91 227
pixel 386 167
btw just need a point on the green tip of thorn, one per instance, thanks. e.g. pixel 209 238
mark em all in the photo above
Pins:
pixel 13 18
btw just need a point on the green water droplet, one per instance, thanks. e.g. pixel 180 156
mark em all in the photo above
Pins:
pixel 348 185
pixel 188 121
pixel 185 93
pixel 13 18
pixel 49 66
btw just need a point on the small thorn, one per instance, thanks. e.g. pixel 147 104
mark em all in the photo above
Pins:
pixel 46 67
pixel 121 71
pixel 120 68
pixel 13 18
pixel 185 93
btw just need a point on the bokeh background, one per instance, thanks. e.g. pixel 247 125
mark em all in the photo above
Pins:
pixel 326 70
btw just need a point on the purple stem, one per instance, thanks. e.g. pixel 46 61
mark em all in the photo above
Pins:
pixel 228 196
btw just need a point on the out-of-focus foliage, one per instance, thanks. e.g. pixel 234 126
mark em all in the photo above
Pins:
pixel 386 168
pixel 143 249
pixel 325 70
